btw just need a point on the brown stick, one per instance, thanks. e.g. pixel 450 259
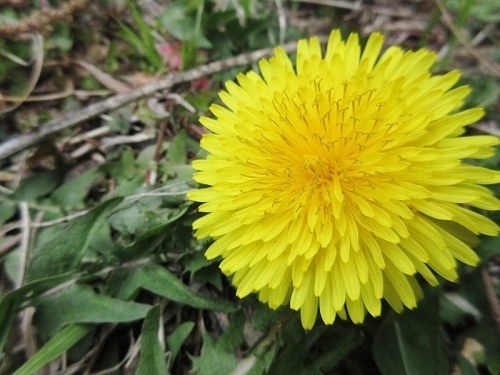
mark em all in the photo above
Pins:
pixel 21 142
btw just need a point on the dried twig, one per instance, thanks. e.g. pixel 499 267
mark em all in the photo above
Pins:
pixel 9 243
pixel 105 79
pixel 68 91
pixel 28 332
pixel 126 139
pixel 281 20
pixel 351 5
pixel 69 120
pixel 402 10
pixel 488 127
pixel 98 132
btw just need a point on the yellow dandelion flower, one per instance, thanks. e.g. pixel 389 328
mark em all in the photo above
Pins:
pixel 333 182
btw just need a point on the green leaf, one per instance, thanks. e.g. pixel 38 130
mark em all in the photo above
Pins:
pixel 62 37
pixel 80 304
pixel 219 356
pixel 151 360
pixel 128 34
pixel 466 368
pixel 36 186
pixel 180 22
pixel 257 364
pixel 195 261
pixel 71 194
pixel 178 336
pixel 455 308
pixel 162 282
pixel 145 216
pixel 64 251
pixel 335 344
pixel 146 37
pixel 7 210
pixel 103 246
pixel 55 347
pixel 177 151
pixel 8 310
pixel 11 302
pixel 214 360
pixel 175 163
pixel 343 344
pixel 125 168
pixel 488 248
pixel 293 356
pixel 412 343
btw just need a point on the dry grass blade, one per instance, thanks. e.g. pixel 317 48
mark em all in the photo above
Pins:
pixel 35 73
pixel 492 297
pixel 105 79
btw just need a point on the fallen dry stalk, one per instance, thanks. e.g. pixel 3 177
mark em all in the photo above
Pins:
pixel 21 142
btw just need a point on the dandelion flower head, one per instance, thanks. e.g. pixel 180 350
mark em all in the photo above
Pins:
pixel 333 181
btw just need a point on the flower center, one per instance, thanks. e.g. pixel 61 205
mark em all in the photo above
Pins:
pixel 325 177
pixel 320 170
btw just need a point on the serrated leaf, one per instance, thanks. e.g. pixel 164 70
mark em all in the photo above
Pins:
pixel 151 211
pixel 64 251
pixel 139 218
pixel 55 347
pixel 9 304
pixel 296 355
pixel 151 360
pixel 412 343
pixel 344 344
pixel 213 359
pixel 80 304
pixel 293 355
pixel 162 282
